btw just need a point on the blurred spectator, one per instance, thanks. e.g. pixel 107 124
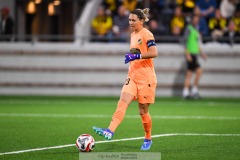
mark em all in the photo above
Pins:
pixel 207 8
pixel 156 29
pixel 130 4
pixel 177 22
pixel 121 25
pixel 156 8
pixel 217 25
pixel 168 6
pixel 167 13
pixel 231 34
pixel 102 25
pixel 187 6
pixel 238 6
pixel 218 2
pixel 236 20
pixel 228 7
pixel 202 25
pixel 6 26
pixel 111 5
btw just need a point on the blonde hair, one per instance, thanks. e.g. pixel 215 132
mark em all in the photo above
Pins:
pixel 142 13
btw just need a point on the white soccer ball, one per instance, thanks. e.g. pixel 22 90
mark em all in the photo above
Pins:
pixel 85 143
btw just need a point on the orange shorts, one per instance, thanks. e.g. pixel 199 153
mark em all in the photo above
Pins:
pixel 145 93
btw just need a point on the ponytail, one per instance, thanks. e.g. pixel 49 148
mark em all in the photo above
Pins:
pixel 145 12
pixel 142 13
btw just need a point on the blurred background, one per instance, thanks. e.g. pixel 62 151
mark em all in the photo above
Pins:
pixel 77 47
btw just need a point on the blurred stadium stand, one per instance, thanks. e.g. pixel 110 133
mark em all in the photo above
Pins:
pixel 45 62
pixel 98 69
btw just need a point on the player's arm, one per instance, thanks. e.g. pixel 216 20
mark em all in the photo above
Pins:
pixel 203 55
pixel 151 53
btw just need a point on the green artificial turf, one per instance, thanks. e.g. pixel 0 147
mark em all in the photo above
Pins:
pixel 30 122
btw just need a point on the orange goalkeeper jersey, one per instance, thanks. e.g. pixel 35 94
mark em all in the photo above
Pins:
pixel 142 71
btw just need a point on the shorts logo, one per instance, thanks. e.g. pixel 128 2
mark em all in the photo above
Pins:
pixel 139 41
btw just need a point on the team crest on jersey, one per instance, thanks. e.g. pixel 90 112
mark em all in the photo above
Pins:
pixel 139 41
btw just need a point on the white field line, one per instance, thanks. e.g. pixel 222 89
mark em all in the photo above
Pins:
pixel 125 139
pixel 109 116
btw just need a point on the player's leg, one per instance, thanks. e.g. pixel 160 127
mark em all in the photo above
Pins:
pixel 146 119
pixel 198 75
pixel 198 70
pixel 128 93
pixel 118 116
pixel 188 76
pixel 187 83
pixel 147 125
pixel 145 98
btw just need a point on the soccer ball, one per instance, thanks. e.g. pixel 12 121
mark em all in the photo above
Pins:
pixel 85 143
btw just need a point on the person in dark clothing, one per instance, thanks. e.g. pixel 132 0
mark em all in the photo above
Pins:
pixel 231 36
pixel 6 25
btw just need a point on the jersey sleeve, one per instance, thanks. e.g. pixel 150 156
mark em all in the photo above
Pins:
pixel 149 39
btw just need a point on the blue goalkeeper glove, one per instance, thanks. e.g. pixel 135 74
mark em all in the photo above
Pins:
pixel 131 57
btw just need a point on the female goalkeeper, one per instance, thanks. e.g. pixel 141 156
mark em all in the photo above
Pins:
pixel 141 81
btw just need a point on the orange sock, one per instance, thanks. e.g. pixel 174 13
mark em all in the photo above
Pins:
pixel 147 125
pixel 118 115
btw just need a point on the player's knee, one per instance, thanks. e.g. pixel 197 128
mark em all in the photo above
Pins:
pixel 143 108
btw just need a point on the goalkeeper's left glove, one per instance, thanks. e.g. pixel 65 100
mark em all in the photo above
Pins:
pixel 131 57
